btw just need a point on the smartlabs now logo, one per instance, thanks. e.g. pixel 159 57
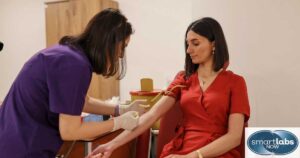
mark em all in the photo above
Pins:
pixel 270 142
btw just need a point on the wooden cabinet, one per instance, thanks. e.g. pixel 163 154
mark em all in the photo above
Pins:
pixel 69 17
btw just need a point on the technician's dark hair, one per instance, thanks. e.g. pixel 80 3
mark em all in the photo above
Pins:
pixel 212 30
pixel 100 39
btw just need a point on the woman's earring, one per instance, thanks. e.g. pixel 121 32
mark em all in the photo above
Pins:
pixel 213 51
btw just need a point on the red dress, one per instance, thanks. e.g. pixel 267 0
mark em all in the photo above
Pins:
pixel 205 114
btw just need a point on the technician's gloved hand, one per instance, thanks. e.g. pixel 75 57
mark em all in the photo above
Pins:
pixel 127 121
pixel 138 105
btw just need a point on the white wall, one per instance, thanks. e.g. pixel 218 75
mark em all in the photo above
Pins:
pixel 263 39
pixel 156 49
pixel 22 30
pixel 262 36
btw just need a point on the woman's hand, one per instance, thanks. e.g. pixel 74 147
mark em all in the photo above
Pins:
pixel 127 121
pixel 102 151
pixel 137 105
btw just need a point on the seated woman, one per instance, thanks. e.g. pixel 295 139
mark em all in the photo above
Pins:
pixel 213 100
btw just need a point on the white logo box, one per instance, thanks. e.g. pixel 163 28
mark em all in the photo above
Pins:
pixel 250 131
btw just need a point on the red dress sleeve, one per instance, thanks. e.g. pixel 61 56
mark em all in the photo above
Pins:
pixel 174 89
pixel 239 97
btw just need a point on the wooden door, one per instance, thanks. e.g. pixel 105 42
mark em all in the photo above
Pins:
pixel 69 17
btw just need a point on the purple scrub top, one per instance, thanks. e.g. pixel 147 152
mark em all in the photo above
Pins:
pixel 53 81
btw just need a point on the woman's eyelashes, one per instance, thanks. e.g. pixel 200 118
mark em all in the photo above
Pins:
pixel 193 44
pixel 196 44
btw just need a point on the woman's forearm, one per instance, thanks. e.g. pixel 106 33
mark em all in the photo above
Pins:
pixel 71 128
pixel 145 121
pixel 91 130
pixel 96 106
pixel 220 146
pixel 228 141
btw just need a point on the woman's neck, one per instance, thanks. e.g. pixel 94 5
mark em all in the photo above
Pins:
pixel 206 69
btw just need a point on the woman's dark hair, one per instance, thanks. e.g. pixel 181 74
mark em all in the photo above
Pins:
pixel 100 39
pixel 212 30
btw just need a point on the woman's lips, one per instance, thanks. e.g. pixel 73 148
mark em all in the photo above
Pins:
pixel 192 56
